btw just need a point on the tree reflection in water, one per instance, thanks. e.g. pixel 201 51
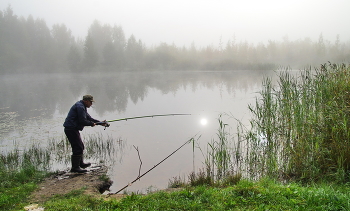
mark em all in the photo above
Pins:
pixel 33 107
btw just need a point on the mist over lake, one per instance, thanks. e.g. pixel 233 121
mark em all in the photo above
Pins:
pixel 33 109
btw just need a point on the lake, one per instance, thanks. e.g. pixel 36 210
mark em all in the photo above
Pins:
pixel 33 109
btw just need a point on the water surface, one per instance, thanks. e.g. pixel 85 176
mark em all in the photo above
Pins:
pixel 33 109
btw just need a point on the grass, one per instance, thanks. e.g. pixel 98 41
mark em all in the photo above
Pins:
pixel 22 169
pixel 246 195
pixel 14 191
pixel 20 173
pixel 17 183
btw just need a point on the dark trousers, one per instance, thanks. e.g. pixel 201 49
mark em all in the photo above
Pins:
pixel 75 141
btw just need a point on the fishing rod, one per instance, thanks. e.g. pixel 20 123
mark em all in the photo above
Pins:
pixel 106 123
pixel 152 167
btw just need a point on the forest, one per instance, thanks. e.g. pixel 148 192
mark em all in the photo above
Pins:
pixel 28 45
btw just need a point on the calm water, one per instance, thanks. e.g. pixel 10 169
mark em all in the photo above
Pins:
pixel 33 109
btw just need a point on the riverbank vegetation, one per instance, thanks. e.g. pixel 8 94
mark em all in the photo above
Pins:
pixel 294 156
pixel 22 169
pixel 299 131
pixel 29 45
pixel 246 195
pixel 304 122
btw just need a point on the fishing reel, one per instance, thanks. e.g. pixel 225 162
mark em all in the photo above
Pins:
pixel 103 123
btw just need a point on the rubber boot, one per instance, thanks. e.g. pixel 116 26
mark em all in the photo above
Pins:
pixel 82 164
pixel 76 164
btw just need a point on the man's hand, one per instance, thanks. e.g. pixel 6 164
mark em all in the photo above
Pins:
pixel 103 123
pixel 106 124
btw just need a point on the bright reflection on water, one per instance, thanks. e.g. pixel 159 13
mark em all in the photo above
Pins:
pixel 204 121
pixel 33 109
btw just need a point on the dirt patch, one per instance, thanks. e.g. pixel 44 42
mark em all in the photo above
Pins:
pixel 94 182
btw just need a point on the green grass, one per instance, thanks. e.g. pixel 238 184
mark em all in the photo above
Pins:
pixel 246 195
pixel 22 169
pixel 16 186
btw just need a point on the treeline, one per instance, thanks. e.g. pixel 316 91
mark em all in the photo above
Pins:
pixel 28 45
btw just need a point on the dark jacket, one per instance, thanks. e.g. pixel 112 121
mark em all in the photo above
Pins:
pixel 78 117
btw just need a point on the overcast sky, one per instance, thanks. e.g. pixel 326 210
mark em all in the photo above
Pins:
pixel 203 22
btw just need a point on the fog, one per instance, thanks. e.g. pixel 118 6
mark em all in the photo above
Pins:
pixel 148 71
pixel 203 94
pixel 203 22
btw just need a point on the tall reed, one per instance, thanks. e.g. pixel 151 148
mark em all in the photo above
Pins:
pixel 305 121
pixel 223 156
pixel 21 158
pixel 98 147
pixel 58 151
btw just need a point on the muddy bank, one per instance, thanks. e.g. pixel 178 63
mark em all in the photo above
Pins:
pixel 94 182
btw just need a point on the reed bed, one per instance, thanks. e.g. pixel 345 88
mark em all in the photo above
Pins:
pixel 218 156
pixel 58 151
pixel 300 128
pixel 98 147
pixel 299 131
pixel 22 168
pixel 223 158
pixel 106 148
pixel 19 159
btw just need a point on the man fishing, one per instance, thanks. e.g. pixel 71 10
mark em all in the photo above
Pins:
pixel 76 120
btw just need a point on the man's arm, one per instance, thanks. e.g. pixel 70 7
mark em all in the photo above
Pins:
pixel 83 117
pixel 91 119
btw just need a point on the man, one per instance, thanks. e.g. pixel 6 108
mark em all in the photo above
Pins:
pixel 76 120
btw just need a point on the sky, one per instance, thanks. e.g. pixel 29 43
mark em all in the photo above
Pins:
pixel 202 22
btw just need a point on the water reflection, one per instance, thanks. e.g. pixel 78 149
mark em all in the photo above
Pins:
pixel 204 121
pixel 31 96
pixel 34 107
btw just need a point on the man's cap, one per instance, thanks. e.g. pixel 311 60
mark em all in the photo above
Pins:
pixel 88 98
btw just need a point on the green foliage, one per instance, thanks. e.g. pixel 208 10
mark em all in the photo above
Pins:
pixel 305 122
pixel 232 179
pixel 246 195
pixel 204 178
pixel 74 200
pixel 16 185
pixel 200 178
pixel 21 170
pixel 176 182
